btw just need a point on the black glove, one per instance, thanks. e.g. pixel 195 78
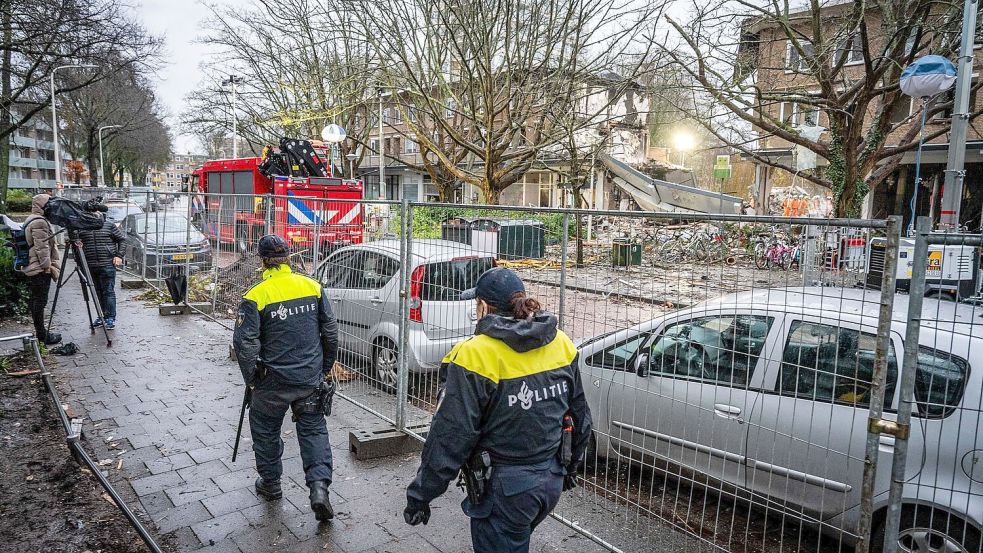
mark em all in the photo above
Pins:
pixel 415 514
pixel 569 482
pixel 259 374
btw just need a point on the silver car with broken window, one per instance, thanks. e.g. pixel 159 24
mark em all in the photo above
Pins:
pixel 767 393
pixel 362 283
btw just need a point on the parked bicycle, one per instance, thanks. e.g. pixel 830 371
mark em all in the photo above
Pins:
pixel 776 253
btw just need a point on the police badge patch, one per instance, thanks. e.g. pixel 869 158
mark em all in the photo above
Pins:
pixel 240 319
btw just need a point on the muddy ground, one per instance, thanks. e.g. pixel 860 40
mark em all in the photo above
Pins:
pixel 48 503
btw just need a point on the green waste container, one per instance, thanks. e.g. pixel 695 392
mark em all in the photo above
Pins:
pixel 624 252
pixel 456 229
pixel 510 238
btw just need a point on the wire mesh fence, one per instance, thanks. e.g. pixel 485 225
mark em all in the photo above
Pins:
pixel 934 502
pixel 733 364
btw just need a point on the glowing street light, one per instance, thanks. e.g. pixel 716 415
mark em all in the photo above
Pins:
pixel 683 141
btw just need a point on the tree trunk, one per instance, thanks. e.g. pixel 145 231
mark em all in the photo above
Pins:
pixel 5 130
pixel 92 159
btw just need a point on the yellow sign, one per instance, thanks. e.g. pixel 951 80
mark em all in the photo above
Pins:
pixel 934 263
pixel 181 256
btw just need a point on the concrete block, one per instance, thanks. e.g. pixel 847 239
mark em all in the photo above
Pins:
pixel 185 309
pixel 203 307
pixel 132 283
pixel 372 443
pixel 168 309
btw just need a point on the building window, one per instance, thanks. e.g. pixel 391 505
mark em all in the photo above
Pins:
pixel 852 48
pixel 449 110
pixel 374 145
pixel 794 61
pixel 411 146
pixel 798 115
pixel 901 110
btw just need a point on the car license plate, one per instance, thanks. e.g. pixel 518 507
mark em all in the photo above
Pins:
pixel 181 256
pixel 298 238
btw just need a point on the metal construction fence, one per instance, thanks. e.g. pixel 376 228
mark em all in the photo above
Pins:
pixel 752 388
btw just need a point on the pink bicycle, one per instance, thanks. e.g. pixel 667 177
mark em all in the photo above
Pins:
pixel 776 253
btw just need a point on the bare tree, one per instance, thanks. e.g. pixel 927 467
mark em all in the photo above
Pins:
pixel 766 72
pixel 124 100
pixel 40 35
pixel 293 82
pixel 494 76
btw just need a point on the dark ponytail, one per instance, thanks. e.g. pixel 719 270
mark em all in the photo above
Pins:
pixel 524 307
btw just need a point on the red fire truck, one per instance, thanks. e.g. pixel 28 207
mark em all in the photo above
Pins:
pixel 305 210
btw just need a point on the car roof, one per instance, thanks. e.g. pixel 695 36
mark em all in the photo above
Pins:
pixel 426 249
pixel 855 305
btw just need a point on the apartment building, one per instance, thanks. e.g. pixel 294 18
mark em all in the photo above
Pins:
pixel 172 175
pixel 781 68
pixel 32 156
pixel 622 128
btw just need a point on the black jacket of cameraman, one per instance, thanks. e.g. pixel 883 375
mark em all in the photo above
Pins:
pixel 101 246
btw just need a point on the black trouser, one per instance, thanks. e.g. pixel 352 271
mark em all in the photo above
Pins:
pixel 38 287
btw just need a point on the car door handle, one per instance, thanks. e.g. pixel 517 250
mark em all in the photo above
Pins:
pixel 376 300
pixel 727 411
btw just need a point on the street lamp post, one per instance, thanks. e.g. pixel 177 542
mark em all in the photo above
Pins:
pixel 234 80
pixel 351 164
pixel 102 164
pixel 54 114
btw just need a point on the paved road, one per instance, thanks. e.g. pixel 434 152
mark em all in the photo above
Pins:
pixel 165 400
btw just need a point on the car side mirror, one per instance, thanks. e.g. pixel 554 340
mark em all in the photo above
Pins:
pixel 642 365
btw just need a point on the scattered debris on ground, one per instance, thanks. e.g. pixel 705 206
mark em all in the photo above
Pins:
pixel 49 503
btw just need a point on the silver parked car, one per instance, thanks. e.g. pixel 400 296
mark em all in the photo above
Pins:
pixel 362 282
pixel 768 392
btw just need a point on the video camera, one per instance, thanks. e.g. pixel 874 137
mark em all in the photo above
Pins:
pixel 74 215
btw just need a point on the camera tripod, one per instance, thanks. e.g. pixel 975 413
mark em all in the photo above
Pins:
pixel 85 279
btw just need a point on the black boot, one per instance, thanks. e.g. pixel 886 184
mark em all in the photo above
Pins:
pixel 270 489
pixel 319 501
pixel 51 338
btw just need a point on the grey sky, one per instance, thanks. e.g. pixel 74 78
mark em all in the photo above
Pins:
pixel 179 22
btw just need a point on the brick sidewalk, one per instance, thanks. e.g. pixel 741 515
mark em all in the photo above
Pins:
pixel 168 396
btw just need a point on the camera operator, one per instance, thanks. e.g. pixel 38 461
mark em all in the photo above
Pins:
pixel 43 267
pixel 103 250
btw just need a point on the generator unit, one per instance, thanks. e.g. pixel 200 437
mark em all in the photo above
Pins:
pixel 953 272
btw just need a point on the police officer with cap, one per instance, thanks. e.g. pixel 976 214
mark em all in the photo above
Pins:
pixel 506 394
pixel 286 342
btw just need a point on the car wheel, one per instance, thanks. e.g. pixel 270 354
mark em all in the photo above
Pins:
pixel 385 364
pixel 925 530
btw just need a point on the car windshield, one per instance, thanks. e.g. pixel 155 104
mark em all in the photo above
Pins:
pixel 119 212
pixel 160 224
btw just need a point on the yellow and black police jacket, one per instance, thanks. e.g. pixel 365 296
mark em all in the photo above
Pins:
pixel 286 322
pixel 505 391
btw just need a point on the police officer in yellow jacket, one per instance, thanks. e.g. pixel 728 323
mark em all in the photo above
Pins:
pixel 286 342
pixel 505 396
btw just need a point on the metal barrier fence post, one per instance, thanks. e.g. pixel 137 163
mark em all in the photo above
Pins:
pixel 188 251
pixel 406 251
pixel 146 223
pixel 269 213
pixel 879 381
pixel 564 255
pixel 916 294
pixel 217 252
pixel 808 260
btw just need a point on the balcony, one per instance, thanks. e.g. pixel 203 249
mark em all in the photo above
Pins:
pixel 28 162
pixel 46 164
pixel 17 182
pixel 19 140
